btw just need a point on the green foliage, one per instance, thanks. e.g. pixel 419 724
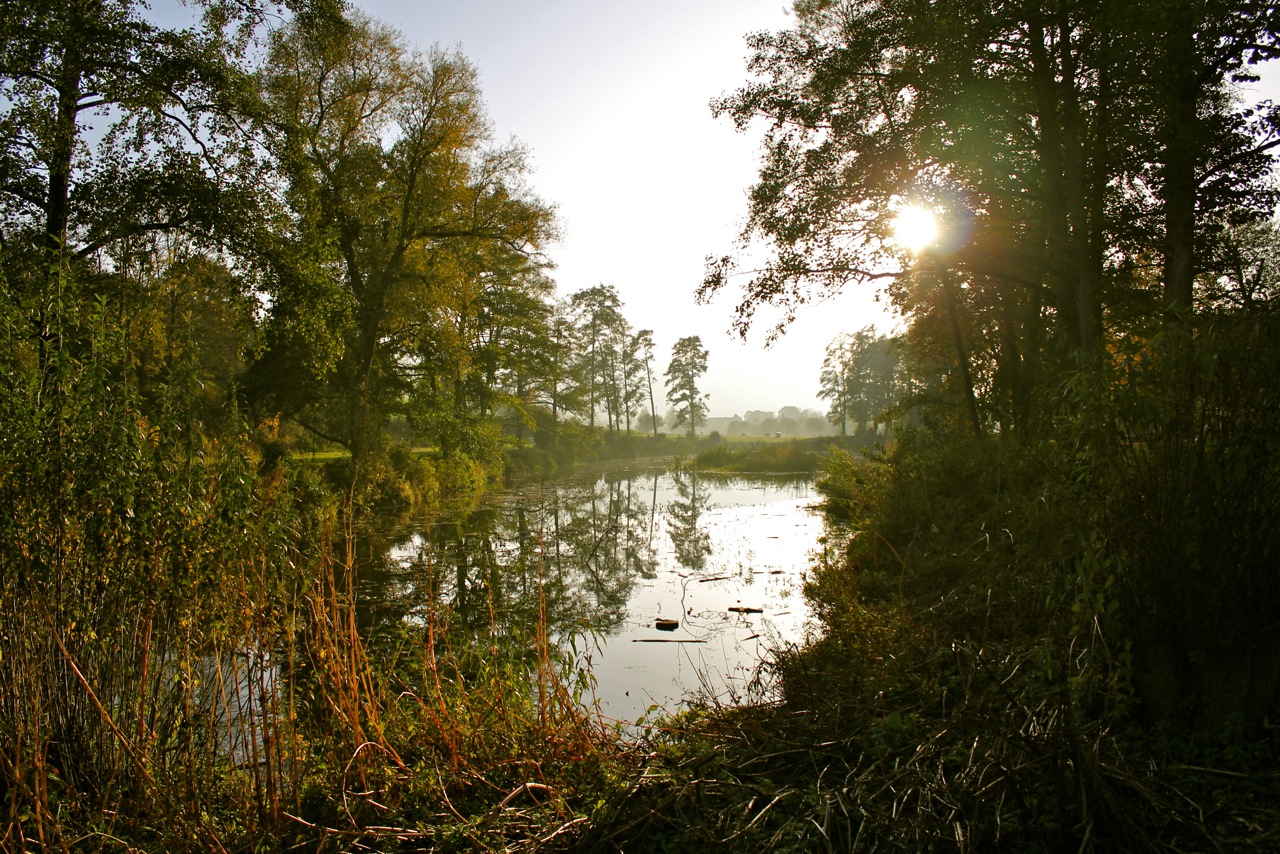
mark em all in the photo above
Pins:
pixel 418 290
pixel 166 159
pixel 180 651
pixel 851 487
pixel 1177 460
pixel 785 457
pixel 139 556
pixel 688 364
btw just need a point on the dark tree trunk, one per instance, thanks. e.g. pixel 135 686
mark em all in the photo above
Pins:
pixel 1179 167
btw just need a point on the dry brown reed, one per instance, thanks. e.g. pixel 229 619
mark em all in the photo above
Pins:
pixel 251 708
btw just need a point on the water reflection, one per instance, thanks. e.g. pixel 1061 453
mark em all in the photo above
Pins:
pixel 610 556
pixel 692 544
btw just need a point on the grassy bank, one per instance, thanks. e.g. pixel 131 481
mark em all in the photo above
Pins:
pixel 184 667
pixel 771 456
pixel 975 688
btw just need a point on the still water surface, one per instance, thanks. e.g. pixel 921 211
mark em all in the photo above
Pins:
pixel 642 568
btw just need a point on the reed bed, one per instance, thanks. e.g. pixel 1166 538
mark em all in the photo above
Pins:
pixel 182 665
pixel 152 729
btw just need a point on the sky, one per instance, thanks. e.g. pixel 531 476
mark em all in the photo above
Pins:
pixel 612 101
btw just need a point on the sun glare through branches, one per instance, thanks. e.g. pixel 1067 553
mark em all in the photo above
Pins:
pixel 915 228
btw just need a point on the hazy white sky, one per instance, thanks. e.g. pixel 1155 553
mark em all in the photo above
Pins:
pixel 612 101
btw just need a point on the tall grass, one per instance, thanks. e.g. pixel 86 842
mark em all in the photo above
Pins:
pixel 181 664
pixel 142 561
pixel 1063 642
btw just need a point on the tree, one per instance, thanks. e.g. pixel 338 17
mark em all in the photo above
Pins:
pixel 170 157
pixel 836 380
pixel 1244 272
pixel 688 364
pixel 561 388
pixel 644 352
pixel 515 330
pixel 477 337
pixel 1091 163
pixel 861 378
pixel 399 206
pixel 650 421
pixel 1029 132
pixel 1212 152
pixel 184 319
pixel 633 368
pixel 597 312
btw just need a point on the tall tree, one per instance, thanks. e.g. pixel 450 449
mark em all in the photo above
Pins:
pixel 597 312
pixel 168 155
pixel 396 196
pixel 1090 162
pixel 515 328
pixel 688 364
pixel 1211 150
pixel 479 325
pixel 561 390
pixel 644 353
pixel 631 370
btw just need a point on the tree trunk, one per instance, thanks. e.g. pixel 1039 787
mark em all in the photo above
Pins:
pixel 951 297
pixel 1179 190
pixel 1087 275
pixel 653 412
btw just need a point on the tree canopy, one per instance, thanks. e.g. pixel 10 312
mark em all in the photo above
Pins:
pixel 1029 130
pixel 688 364
pixel 1101 285
pixel 410 221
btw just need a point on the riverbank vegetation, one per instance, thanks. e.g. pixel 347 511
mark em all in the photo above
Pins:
pixel 1048 611
pixel 1048 604
pixel 980 682
pixel 280 236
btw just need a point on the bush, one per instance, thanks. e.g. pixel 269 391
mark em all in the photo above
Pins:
pixel 1181 463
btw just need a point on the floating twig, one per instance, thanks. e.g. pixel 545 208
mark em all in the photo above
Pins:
pixel 667 640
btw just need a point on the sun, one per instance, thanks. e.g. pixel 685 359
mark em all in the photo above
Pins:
pixel 915 228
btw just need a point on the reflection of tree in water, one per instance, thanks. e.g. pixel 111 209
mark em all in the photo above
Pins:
pixel 692 544
pixel 569 554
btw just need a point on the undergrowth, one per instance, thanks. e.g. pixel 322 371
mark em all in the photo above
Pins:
pixel 181 664
pixel 972 689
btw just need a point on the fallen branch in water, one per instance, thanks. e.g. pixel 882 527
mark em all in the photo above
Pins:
pixel 667 640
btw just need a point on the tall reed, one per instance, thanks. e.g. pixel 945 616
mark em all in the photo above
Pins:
pixel 182 666
pixel 138 555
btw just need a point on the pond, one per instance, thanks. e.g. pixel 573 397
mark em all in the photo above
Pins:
pixel 667 583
